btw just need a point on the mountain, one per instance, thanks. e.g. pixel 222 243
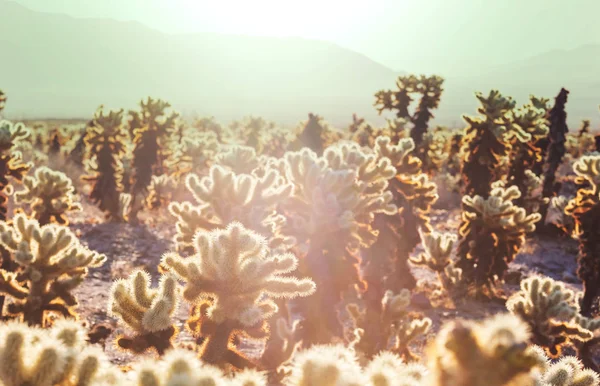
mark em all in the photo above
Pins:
pixel 53 65
pixel 59 66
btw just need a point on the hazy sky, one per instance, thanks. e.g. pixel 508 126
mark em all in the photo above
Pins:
pixel 450 37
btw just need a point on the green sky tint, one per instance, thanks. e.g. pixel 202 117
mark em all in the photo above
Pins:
pixel 451 37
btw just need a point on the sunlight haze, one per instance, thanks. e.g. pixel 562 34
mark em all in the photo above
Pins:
pixel 451 37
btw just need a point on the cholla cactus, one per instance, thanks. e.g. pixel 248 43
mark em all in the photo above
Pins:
pixel 160 191
pixel 492 232
pixel 238 159
pixel 50 194
pixel 567 372
pixel 224 196
pixel 193 153
pixel 338 365
pixel 312 134
pixel 557 217
pixel 437 257
pixel 229 281
pixel 11 164
pixel 493 352
pixel 105 142
pixel 3 99
pixel 146 311
pixel 392 323
pixel 52 263
pixel 149 127
pixel 58 356
pixel 557 138
pixel 585 209
pixel 487 142
pixel 331 215
pixel 526 154
pixel 180 367
pixel 552 312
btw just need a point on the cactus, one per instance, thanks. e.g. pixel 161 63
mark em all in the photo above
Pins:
pixel 50 194
pixel 52 263
pixel 394 323
pixel 146 311
pixel 160 191
pixel 585 209
pixel 11 164
pixel 493 352
pixel 3 100
pixel 229 281
pixel 438 249
pixel 491 233
pixel 552 312
pixel 556 148
pixel 104 139
pixel 58 356
pixel 224 196
pixel 331 216
pixel 487 142
pixel 150 128
pixel 193 153
pixel 567 372
pixel 525 154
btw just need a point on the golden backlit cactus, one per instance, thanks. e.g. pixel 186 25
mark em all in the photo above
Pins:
pixel 437 257
pixel 526 154
pixel 160 191
pixel 194 153
pixel 552 312
pixel 224 196
pixel 146 311
pixel 487 142
pixel 105 146
pixel 492 232
pixel 585 209
pixel 238 159
pixel 230 281
pixel 178 367
pixel 395 324
pixel 11 164
pixel 493 352
pixel 568 371
pixel 337 365
pixel 51 263
pixel 54 357
pixel 557 217
pixel 50 194
pixel 149 128
pixel 414 194
pixel 331 214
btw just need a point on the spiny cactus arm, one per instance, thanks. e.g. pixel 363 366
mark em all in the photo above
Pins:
pixel 148 312
pixel 438 248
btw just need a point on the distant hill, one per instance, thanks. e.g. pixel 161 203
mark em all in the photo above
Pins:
pixel 57 66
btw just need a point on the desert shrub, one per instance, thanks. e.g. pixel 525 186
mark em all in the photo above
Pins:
pixel 492 231
pixel 585 209
pixel 105 142
pixel 50 263
pixel 50 194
